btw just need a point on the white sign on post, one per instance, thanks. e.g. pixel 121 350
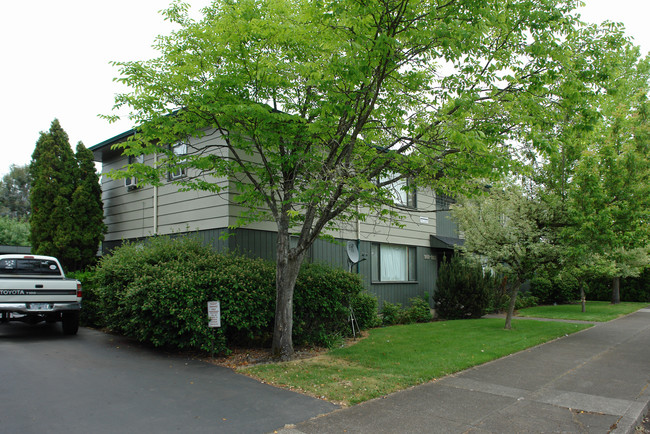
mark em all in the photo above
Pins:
pixel 214 314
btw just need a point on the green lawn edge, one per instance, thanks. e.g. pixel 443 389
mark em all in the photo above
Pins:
pixel 599 311
pixel 394 358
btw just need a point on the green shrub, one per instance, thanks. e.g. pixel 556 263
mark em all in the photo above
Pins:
pixel 497 288
pixel 157 292
pixel 390 313
pixel 523 301
pixel 91 312
pixel 365 311
pixel 632 288
pixel 561 288
pixel 419 311
pixel 542 288
pixel 321 303
pixel 567 289
pixel 635 288
pixel 463 291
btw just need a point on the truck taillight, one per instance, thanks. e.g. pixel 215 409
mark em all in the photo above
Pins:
pixel 79 290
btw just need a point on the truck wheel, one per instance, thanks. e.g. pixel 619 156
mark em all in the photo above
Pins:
pixel 70 322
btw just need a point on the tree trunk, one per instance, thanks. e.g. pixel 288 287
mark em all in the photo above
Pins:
pixel 513 301
pixel 583 300
pixel 616 290
pixel 287 269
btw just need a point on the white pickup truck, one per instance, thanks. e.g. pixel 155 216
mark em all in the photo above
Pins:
pixel 34 289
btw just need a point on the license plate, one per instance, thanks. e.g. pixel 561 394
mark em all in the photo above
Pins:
pixel 40 306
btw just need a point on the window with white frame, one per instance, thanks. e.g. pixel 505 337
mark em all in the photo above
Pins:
pixel 179 149
pixel 402 191
pixel 392 263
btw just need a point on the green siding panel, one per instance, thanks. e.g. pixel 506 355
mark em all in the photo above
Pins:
pixel 257 243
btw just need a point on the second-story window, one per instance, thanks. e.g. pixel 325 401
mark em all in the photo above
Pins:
pixel 403 192
pixel 179 149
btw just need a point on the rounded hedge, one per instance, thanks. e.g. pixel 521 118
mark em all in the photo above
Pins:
pixel 157 292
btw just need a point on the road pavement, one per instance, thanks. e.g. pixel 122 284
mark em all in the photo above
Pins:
pixel 99 383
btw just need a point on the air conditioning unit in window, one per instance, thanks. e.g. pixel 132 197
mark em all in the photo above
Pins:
pixel 131 183
pixel 177 174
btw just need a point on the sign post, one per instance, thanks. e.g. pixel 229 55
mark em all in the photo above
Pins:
pixel 214 316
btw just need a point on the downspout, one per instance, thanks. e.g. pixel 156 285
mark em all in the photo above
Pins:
pixel 155 198
pixel 358 236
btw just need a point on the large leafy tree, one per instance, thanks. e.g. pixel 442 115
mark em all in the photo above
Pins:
pixel 597 175
pixel 318 106
pixel 14 193
pixel 512 230
pixel 610 194
pixel 64 220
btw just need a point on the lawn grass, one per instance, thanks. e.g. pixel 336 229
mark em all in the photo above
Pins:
pixel 394 358
pixel 595 311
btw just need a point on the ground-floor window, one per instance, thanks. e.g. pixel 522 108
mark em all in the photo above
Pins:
pixel 392 263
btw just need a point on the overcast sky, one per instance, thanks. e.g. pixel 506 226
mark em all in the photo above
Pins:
pixel 56 54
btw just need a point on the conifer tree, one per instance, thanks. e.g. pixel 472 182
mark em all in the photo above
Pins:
pixel 65 221
pixel 89 225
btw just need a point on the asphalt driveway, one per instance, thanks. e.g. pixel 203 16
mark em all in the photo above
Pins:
pixel 94 382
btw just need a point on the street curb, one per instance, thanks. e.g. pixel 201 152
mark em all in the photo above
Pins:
pixel 633 417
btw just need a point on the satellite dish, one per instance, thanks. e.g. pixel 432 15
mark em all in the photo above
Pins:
pixel 353 252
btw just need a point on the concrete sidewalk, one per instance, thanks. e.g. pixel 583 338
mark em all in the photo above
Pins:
pixel 594 381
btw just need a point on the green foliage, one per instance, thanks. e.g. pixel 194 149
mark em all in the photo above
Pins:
pixel 632 288
pixel 13 232
pixel 53 181
pixel 463 290
pixel 542 288
pixel 330 97
pixel 523 301
pixel 512 229
pixel 597 176
pixel 562 288
pixel 86 202
pixel 91 313
pixel 365 311
pixel 322 298
pixel 390 313
pixel 157 292
pixel 567 288
pixel 14 193
pixel 418 311
pixel 66 219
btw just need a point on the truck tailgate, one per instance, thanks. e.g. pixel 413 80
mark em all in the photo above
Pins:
pixel 44 290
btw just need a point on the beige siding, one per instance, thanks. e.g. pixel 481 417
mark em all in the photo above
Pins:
pixel 416 224
pixel 130 214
